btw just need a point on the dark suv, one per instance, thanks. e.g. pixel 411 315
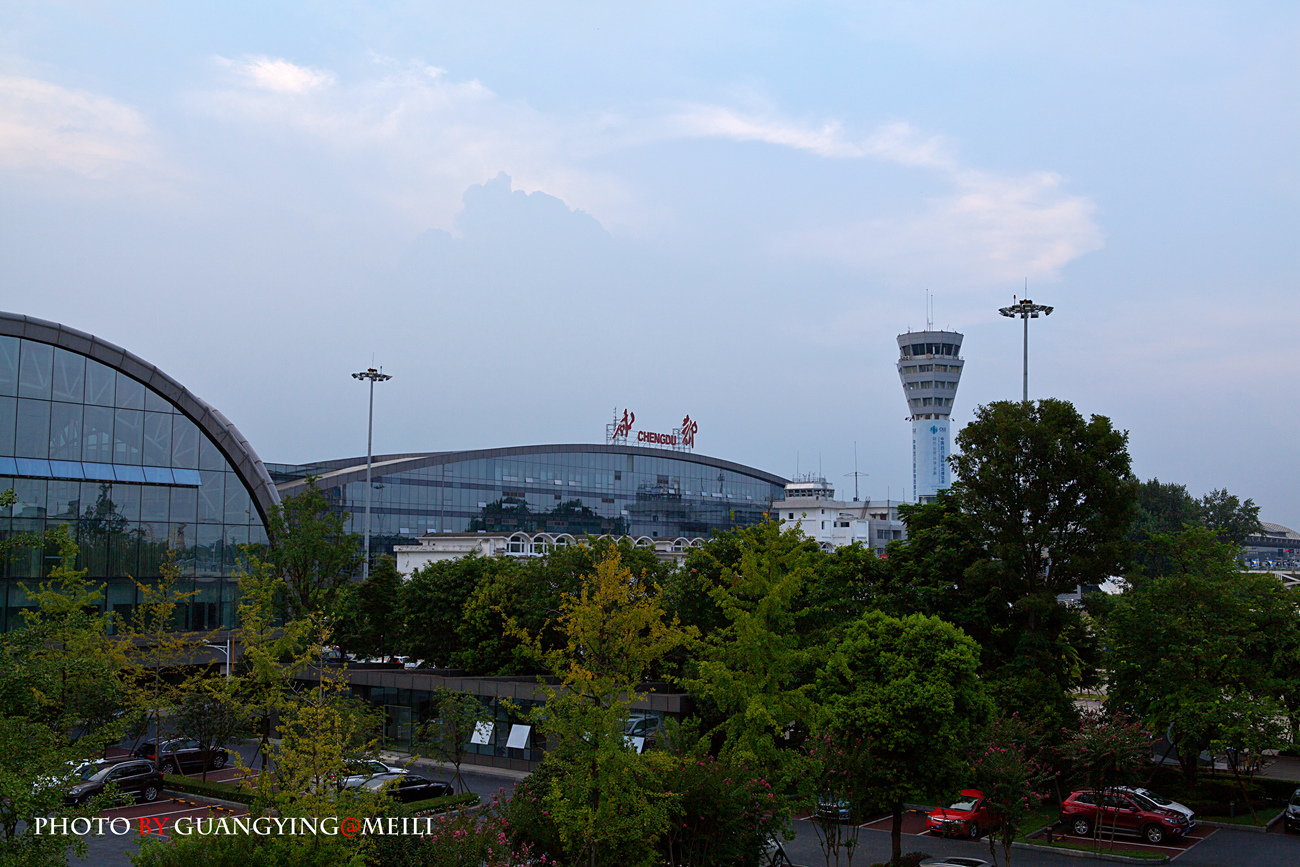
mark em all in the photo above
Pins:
pixel 1122 812
pixel 134 777
pixel 182 756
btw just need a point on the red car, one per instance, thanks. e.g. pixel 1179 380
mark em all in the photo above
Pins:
pixel 969 817
pixel 1126 812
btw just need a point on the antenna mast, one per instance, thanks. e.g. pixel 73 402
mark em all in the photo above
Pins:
pixel 855 472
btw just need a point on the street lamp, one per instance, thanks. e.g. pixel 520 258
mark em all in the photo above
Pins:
pixel 1026 310
pixel 373 376
pixel 225 650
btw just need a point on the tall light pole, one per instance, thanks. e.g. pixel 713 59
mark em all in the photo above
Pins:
pixel 1026 310
pixel 227 650
pixel 373 376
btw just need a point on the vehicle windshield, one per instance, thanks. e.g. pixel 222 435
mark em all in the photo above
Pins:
pixel 1295 799
pixel 1144 802
pixel 968 804
pixel 85 772
pixel 1162 801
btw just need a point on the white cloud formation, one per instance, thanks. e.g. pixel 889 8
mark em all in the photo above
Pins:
pixel 279 75
pixel 48 128
pixel 424 137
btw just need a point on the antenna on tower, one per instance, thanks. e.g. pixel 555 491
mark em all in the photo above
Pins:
pixel 929 311
pixel 855 472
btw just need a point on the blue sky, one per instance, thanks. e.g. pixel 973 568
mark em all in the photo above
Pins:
pixel 532 214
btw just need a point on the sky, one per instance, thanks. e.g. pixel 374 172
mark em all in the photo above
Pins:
pixel 532 215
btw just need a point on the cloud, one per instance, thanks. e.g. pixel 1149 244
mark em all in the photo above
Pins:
pixel 48 128
pixel 279 75
pixel 990 228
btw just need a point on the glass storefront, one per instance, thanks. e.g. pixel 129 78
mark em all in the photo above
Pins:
pixel 621 490
pixel 85 446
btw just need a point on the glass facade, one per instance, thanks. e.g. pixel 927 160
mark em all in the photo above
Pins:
pixel 592 489
pixel 85 446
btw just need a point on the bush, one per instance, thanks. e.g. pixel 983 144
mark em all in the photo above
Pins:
pixel 439 805
pixel 220 791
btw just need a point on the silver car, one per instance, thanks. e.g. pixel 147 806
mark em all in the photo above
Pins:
pixel 1164 803
pixel 367 769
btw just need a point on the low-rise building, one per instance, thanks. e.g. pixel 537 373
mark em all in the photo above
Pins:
pixel 810 505
pixel 453 546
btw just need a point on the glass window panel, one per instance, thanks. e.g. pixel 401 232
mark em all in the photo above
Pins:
pixel 69 376
pixel 130 394
pixel 31 499
pixel 99 472
pixel 157 439
pixel 155 402
pixel 184 505
pixel 186 477
pixel 101 383
pixel 210 457
pixel 233 557
pixel 126 501
pixel 153 544
pixel 211 498
pixel 65 431
pixel 67 470
pixel 208 549
pixel 154 503
pixel 181 542
pixel 185 443
pixel 65 499
pixel 158 475
pixel 238 504
pixel 128 473
pixel 8 420
pixel 33 429
pixel 97 434
pixel 128 436
pixel 34 374
pixel 9 365
pixel 124 552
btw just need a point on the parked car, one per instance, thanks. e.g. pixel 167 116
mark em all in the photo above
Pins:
pixel 832 809
pixel 367 769
pixel 134 777
pixel 1162 801
pixel 969 817
pixel 407 787
pixel 1292 819
pixel 1125 813
pixel 954 861
pixel 182 756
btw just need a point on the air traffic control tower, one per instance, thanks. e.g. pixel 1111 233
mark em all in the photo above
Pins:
pixel 929 364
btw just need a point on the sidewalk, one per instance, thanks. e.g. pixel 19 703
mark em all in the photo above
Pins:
pixel 1281 768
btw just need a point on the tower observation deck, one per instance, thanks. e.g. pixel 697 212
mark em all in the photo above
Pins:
pixel 929 365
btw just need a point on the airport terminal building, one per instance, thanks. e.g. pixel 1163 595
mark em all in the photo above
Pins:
pixel 98 440
pixel 577 489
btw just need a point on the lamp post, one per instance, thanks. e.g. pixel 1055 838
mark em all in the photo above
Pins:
pixel 225 650
pixel 373 376
pixel 1026 310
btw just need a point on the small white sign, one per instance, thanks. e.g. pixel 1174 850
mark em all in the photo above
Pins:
pixel 634 743
pixel 518 739
pixel 482 733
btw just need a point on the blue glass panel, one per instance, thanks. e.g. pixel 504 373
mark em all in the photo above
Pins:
pixel 33 430
pixel 35 374
pixel 158 475
pixel 187 477
pixel 33 467
pixel 130 394
pixel 69 376
pixel 100 382
pixel 8 467
pixel 126 473
pixel 9 365
pixel 66 470
pixel 98 472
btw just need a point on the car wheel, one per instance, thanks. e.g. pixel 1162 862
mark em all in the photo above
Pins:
pixel 1154 834
pixel 219 761
pixel 1081 827
pixel 973 831
pixel 169 767
pixel 150 793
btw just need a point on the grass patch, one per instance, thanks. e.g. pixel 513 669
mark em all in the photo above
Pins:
pixel 1265 816
pixel 1107 849
pixel 1037 822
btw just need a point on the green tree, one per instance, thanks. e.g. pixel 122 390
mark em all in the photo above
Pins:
pixel 447 734
pixel 1230 519
pixel 50 668
pixel 211 714
pixel 1194 648
pixel 368 615
pixel 610 804
pixel 1010 775
pixel 311 552
pixel 1106 751
pixel 908 689
pixel 434 603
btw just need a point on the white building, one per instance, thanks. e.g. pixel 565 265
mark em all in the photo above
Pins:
pixel 453 546
pixel 929 365
pixel 811 506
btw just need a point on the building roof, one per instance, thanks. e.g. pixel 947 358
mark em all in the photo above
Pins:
pixel 227 438
pixel 354 470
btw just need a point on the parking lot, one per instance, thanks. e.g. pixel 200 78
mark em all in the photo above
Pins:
pixel 158 818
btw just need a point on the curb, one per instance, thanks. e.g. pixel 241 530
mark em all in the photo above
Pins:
pixel 1254 829
pixel 1096 856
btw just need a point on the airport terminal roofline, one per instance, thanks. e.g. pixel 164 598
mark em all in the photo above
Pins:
pixel 346 470
pixel 232 444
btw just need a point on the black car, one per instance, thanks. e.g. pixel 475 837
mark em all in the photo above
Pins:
pixel 134 777
pixel 407 787
pixel 182 756
pixel 1292 820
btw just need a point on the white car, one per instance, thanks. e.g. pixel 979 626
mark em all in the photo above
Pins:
pixel 1164 803
pixel 367 769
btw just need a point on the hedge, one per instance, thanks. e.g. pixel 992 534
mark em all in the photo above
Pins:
pixel 440 805
pixel 220 791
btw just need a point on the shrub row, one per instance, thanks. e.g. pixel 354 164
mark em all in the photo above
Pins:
pixel 220 791
pixel 440 805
